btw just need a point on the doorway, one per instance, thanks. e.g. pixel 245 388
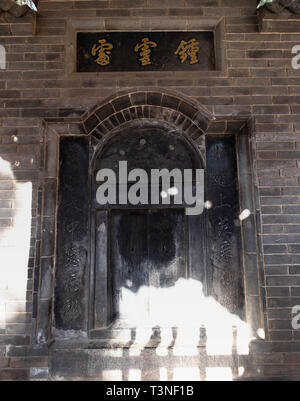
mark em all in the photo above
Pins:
pixel 148 251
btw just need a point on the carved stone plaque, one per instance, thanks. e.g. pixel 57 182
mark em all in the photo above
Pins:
pixel 145 51
pixel 224 236
pixel 72 234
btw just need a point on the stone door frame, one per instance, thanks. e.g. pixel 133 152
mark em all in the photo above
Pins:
pixel 195 122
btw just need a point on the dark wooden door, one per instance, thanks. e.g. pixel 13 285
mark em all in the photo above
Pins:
pixel 148 251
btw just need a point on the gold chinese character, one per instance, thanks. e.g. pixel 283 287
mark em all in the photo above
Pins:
pixel 188 49
pixel 103 50
pixel 145 50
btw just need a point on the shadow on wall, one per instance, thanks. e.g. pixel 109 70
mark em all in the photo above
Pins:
pixel 15 229
pixel 169 359
pixel 187 337
pixel 185 307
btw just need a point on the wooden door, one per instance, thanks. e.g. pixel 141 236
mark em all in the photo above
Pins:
pixel 148 251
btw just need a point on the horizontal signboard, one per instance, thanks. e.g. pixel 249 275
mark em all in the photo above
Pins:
pixel 145 51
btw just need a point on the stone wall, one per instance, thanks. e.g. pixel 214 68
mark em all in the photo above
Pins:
pixel 257 84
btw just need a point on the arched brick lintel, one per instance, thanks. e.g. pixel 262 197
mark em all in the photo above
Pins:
pixel 190 118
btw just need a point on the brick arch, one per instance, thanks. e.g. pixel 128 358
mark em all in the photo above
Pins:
pixel 159 105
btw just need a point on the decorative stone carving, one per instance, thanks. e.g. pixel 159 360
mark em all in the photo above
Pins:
pixel 72 284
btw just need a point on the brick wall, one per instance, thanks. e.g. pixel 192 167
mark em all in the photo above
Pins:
pixel 259 82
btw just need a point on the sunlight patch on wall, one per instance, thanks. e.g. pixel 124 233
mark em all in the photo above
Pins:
pixel 134 374
pixel 184 307
pixel 222 374
pixel 163 374
pixel 15 241
pixel 112 375
pixel 186 374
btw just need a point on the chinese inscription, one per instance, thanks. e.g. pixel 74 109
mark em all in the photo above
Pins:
pixel 224 235
pixel 72 235
pixel 102 50
pixel 189 50
pixel 145 51
pixel 141 51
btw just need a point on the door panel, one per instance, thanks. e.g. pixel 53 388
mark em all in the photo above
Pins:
pixel 148 251
pixel 166 244
pixel 129 256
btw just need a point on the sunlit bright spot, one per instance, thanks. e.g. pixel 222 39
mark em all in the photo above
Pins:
pixel 223 374
pixel 181 350
pixel 112 375
pixel 163 374
pixel 166 336
pixel 161 351
pixel 2 312
pixel 245 214
pixel 15 242
pixel 184 307
pixel 125 335
pixel 173 191
pixel 134 351
pixel 241 371
pixel 186 374
pixel 261 333
pixel 208 204
pixel 115 353
pixel 134 374
pixel 143 335
pixel 186 341
pixel 5 170
pixel 163 194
